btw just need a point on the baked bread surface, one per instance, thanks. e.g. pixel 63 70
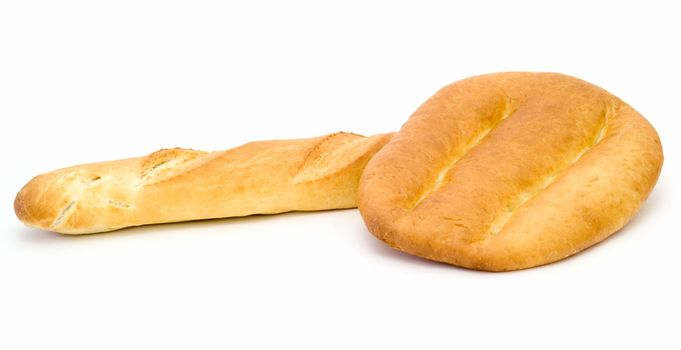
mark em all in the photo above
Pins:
pixel 509 171
pixel 174 185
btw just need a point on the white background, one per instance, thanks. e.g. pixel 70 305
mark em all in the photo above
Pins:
pixel 91 81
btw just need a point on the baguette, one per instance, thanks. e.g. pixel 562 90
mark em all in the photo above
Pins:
pixel 173 185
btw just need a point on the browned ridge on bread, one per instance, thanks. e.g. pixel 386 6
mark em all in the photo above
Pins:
pixel 174 185
pixel 509 171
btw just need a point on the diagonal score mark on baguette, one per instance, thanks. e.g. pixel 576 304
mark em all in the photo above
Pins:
pixel 118 204
pixel 63 215
pixel 524 197
pixel 333 153
pixel 82 185
pixel 165 163
pixel 442 175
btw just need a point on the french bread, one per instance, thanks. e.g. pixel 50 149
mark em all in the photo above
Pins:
pixel 172 185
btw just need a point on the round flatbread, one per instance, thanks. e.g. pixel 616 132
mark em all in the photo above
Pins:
pixel 509 171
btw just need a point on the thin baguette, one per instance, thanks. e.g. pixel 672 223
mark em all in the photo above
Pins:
pixel 173 185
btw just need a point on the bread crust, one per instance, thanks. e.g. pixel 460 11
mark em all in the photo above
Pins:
pixel 509 171
pixel 172 185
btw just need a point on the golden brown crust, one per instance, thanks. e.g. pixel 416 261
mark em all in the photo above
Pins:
pixel 511 170
pixel 173 185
